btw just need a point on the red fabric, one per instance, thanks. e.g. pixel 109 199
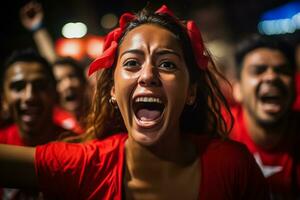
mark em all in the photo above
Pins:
pixel 106 60
pixel 94 170
pixel 197 43
pixel 164 9
pixel 10 135
pixel 296 105
pixel 66 120
pixel 282 157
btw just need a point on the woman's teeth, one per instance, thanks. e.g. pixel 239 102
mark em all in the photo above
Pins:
pixel 148 108
pixel 148 99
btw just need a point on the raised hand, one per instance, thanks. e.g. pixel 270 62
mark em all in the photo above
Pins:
pixel 31 15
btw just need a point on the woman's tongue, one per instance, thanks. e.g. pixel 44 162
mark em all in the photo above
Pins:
pixel 148 115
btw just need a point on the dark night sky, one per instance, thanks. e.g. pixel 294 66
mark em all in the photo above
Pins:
pixel 241 16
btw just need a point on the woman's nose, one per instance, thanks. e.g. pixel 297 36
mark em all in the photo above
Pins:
pixel 149 76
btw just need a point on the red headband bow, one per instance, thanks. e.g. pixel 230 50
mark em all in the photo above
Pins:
pixel 106 60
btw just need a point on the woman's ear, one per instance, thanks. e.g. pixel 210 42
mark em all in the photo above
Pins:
pixel 112 99
pixel 237 94
pixel 112 92
pixel 192 94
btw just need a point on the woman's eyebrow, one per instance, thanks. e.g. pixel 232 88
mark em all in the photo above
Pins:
pixel 166 51
pixel 160 52
pixel 134 51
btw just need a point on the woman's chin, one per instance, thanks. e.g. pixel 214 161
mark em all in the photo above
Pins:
pixel 145 138
pixel 147 132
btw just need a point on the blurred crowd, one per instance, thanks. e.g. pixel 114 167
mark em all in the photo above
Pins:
pixel 45 97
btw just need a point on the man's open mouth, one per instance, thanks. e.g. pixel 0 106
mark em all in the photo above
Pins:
pixel 272 100
pixel 71 97
pixel 30 114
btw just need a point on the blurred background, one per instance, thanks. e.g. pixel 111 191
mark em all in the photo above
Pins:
pixel 77 27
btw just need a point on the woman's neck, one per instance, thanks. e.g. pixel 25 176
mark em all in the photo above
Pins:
pixel 156 171
pixel 178 150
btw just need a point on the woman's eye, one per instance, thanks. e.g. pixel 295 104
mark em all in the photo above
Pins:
pixel 131 63
pixel 167 66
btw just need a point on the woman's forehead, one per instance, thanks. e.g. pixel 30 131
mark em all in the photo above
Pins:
pixel 150 36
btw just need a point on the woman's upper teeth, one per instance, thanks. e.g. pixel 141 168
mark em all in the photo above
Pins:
pixel 148 99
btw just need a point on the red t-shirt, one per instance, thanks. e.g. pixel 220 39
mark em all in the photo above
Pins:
pixel 95 170
pixel 10 135
pixel 279 165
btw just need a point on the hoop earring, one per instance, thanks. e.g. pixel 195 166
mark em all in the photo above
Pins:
pixel 113 102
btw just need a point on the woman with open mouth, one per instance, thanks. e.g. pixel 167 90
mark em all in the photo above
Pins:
pixel 156 128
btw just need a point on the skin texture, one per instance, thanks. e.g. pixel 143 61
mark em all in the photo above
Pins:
pixel 29 96
pixel 151 65
pixel 14 158
pixel 265 72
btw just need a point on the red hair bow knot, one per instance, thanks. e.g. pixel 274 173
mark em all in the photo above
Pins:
pixel 197 44
pixel 165 10
pixel 106 60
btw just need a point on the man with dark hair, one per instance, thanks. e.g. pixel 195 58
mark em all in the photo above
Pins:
pixel 265 121
pixel 28 93
pixel 28 89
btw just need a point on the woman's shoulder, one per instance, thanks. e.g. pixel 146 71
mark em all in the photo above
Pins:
pixel 84 166
pixel 111 142
pixel 230 166
pixel 98 146
pixel 225 149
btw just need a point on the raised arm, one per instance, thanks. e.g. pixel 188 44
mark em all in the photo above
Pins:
pixel 17 167
pixel 31 16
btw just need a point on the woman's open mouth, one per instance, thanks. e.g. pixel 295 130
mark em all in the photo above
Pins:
pixel 148 111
